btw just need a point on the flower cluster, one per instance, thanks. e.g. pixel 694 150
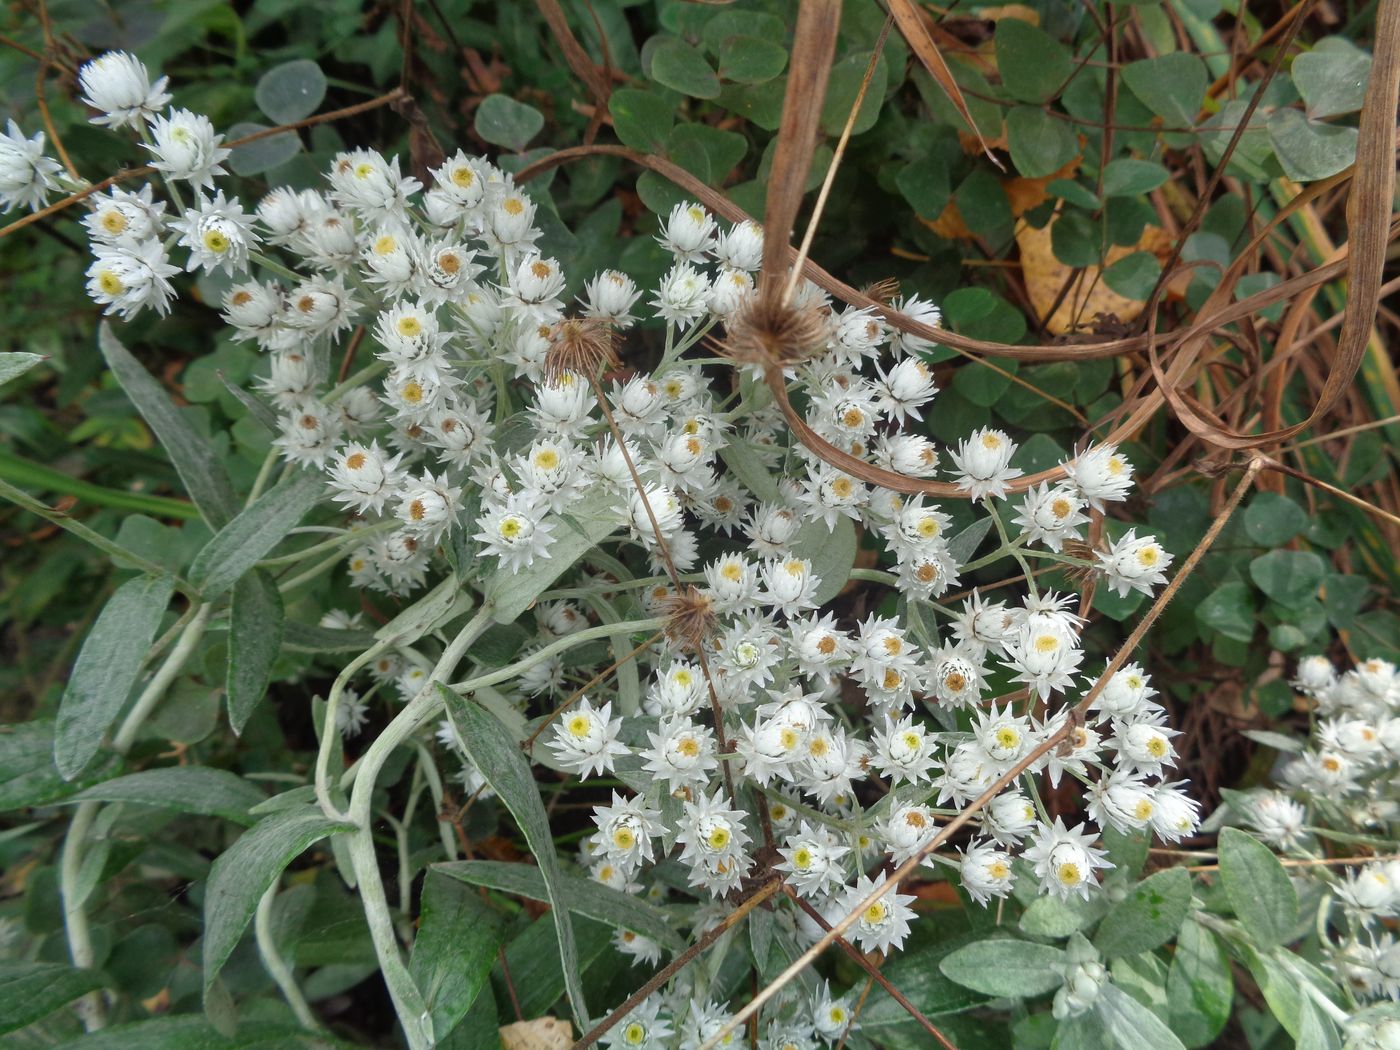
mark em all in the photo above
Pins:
pixel 781 735
pixel 1341 785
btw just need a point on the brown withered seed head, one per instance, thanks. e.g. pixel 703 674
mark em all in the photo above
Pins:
pixel 690 617
pixel 1082 551
pixel 764 332
pixel 883 291
pixel 582 345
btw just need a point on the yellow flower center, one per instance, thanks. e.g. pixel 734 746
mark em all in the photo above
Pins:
pixel 513 205
pixel 1007 736
pixel 718 838
pixel 624 839
pixel 1156 747
pixel 113 221
pixel 689 747
pixel 579 725
pixel 546 459
pixel 413 392
pixel 1068 873
pixel 110 283
pixel 875 913
pixel 385 244
pixel 509 528
pixel 463 176
pixel 216 241
pixel 409 327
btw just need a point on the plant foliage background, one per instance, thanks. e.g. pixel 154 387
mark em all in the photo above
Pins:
pixel 1104 164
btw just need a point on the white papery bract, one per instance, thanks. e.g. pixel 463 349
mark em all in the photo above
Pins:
pixel 119 87
pixel 186 147
pixel 26 175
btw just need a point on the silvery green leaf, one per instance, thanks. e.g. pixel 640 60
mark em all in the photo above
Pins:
pixel 1005 967
pixel 254 640
pixel 188 789
pixel 16 364
pixel 243 873
pixel 291 91
pixel 106 669
pixel 250 536
pixel 30 991
pixel 582 896
pixel 459 937
pixel 198 465
pixel 740 458
pixel 1129 1023
pixel 498 757
pixel 1150 915
pixel 831 552
pixel 964 545
pixel 1257 886
pixel 261 155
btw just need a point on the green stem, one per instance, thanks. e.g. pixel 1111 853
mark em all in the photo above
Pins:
pixel 75 921
pixel 275 965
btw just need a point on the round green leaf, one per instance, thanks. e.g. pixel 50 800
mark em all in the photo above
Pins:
pixel 1229 610
pixel 683 68
pixel 291 91
pixel 1127 177
pixel 1033 64
pixel 641 119
pixel 1308 150
pixel 1272 519
pixel 1288 577
pixel 1332 78
pixel 502 121
pixel 1039 143
pixel 1133 276
pixel 749 60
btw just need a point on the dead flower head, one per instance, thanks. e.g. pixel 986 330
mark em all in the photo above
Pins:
pixel 689 615
pixel 765 332
pixel 581 345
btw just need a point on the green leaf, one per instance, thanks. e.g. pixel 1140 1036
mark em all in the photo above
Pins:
pixel 723 150
pixel 924 184
pixel 1075 239
pixel 1006 968
pixel 577 531
pixel 683 68
pixel 843 88
pixel 254 640
pixel 260 155
pixel 187 789
pixel 982 314
pixel 199 466
pixel 106 669
pixel 195 1032
pixel 964 545
pixel 1200 990
pixel 641 119
pixel 1074 193
pixel 749 60
pixel 1127 177
pixel 501 763
pixel 581 896
pixel 1271 519
pixel 1288 577
pixel 1332 78
pixel 502 121
pixel 291 91
pixel 1342 598
pixel 1040 145
pixel 1258 887
pixel 16 364
pixel 28 776
pixel 32 990
pixel 1172 86
pixel 240 544
pixel 458 938
pixel 1309 150
pixel 1315 1029
pixel 1133 276
pixel 1229 609
pixel 1053 917
pixel 740 458
pixel 831 552
pixel 1149 916
pixel 243 873
pixel 1033 64
pixel 1129 1023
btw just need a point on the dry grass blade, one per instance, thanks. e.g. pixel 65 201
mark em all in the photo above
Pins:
pixel 911 24
pixel 584 67
pixel 813 47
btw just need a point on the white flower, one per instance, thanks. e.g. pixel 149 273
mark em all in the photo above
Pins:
pixel 1278 819
pixel 1177 815
pixel 308 433
pixel 906 830
pixel 884 923
pixel 585 739
pixel 1044 655
pixel 186 147
pixel 123 215
pixel 428 506
pixel 986 872
pixel 903 751
pixel 789 585
pixel 741 248
pixel 641 949
pixel 682 754
pixel 1125 694
pixel 534 290
pixel 925 313
pixel 610 295
pixel 515 532
pixel 26 175
pixel 1134 564
pixel 363 477
pixel 983 464
pixel 682 297
pixel 1143 747
pixel 1051 516
pixel 1064 860
pixel 461 180
pixel 218 233
pixel 352 714
pixel 119 87
pixel 626 828
pixel 363 181
pixel 642 1029
pixel 126 278
pixel 1101 473
pixel 1123 799
pixel 689 233
pixel 812 859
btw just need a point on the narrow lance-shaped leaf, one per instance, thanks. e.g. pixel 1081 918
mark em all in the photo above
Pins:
pixel 239 545
pixel 106 669
pixel 194 459
pixel 583 896
pixel 254 640
pixel 188 789
pixel 498 757
pixel 458 939
pixel 32 990
pixel 243 873
pixel 16 364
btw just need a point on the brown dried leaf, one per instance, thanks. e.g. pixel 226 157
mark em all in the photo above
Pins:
pixel 911 24
pixel 544 1033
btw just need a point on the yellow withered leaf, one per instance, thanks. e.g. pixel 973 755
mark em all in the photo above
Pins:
pixel 543 1033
